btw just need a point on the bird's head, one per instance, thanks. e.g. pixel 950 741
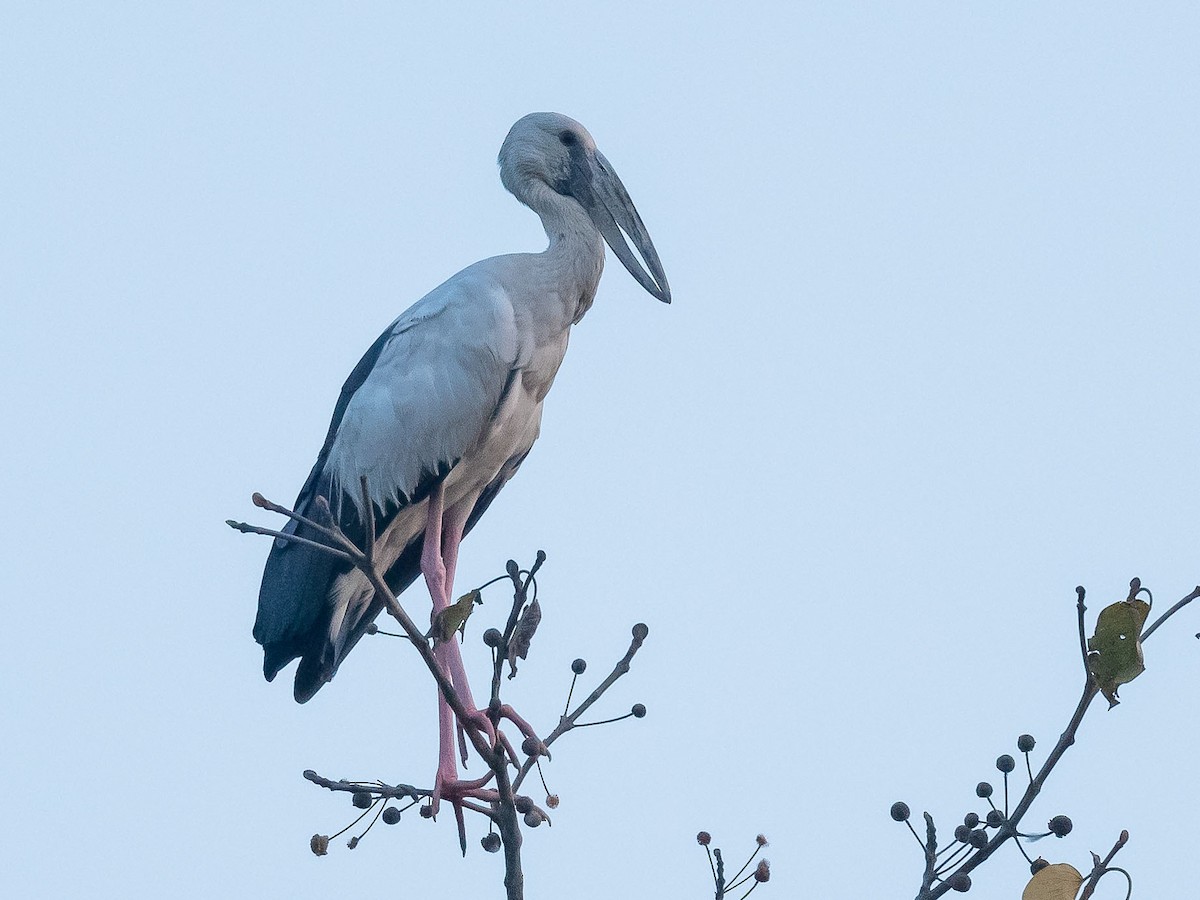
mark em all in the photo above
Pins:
pixel 550 150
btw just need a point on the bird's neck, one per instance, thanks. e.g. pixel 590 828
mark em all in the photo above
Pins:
pixel 575 256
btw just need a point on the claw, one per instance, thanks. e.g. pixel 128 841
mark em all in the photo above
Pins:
pixel 462 745
pixel 462 828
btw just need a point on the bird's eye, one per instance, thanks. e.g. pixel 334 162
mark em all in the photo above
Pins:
pixel 568 138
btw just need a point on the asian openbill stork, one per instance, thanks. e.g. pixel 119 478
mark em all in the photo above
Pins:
pixel 443 408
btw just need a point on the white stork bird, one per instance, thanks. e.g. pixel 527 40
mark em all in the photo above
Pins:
pixel 446 404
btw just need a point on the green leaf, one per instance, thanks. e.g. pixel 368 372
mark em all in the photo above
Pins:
pixel 1060 881
pixel 454 617
pixel 1115 650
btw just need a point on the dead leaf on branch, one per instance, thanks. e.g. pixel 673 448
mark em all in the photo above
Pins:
pixel 454 617
pixel 1115 650
pixel 1060 881
pixel 518 647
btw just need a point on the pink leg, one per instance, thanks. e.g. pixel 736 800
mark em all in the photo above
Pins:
pixel 434 571
pixel 453 523
pixel 439 557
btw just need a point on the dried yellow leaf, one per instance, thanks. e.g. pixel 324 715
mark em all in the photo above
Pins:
pixel 1060 881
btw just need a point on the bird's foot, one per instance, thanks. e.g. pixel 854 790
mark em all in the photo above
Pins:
pixel 479 720
pixel 532 745
pixel 449 787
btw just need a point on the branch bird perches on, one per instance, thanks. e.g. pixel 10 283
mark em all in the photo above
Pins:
pixel 499 803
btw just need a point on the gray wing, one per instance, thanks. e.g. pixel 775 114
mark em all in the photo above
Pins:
pixel 417 401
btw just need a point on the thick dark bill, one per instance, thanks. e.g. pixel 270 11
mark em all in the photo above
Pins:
pixel 615 215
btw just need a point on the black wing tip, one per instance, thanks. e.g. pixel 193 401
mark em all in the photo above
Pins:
pixel 275 657
pixel 305 691
pixel 311 675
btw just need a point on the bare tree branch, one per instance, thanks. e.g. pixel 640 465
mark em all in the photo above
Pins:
pixel 1170 612
pixel 1007 823
pixel 566 723
pixel 502 805
pixel 1100 866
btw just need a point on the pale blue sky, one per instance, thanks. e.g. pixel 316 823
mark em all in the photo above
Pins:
pixel 931 363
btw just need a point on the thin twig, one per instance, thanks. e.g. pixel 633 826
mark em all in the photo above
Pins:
pixel 246 528
pixel 520 589
pixel 1101 866
pixel 757 850
pixel 1170 612
pixel 1128 879
pixel 391 791
pixel 566 723
pixel 954 858
pixel 1083 647
pixel 930 856
pixel 333 533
